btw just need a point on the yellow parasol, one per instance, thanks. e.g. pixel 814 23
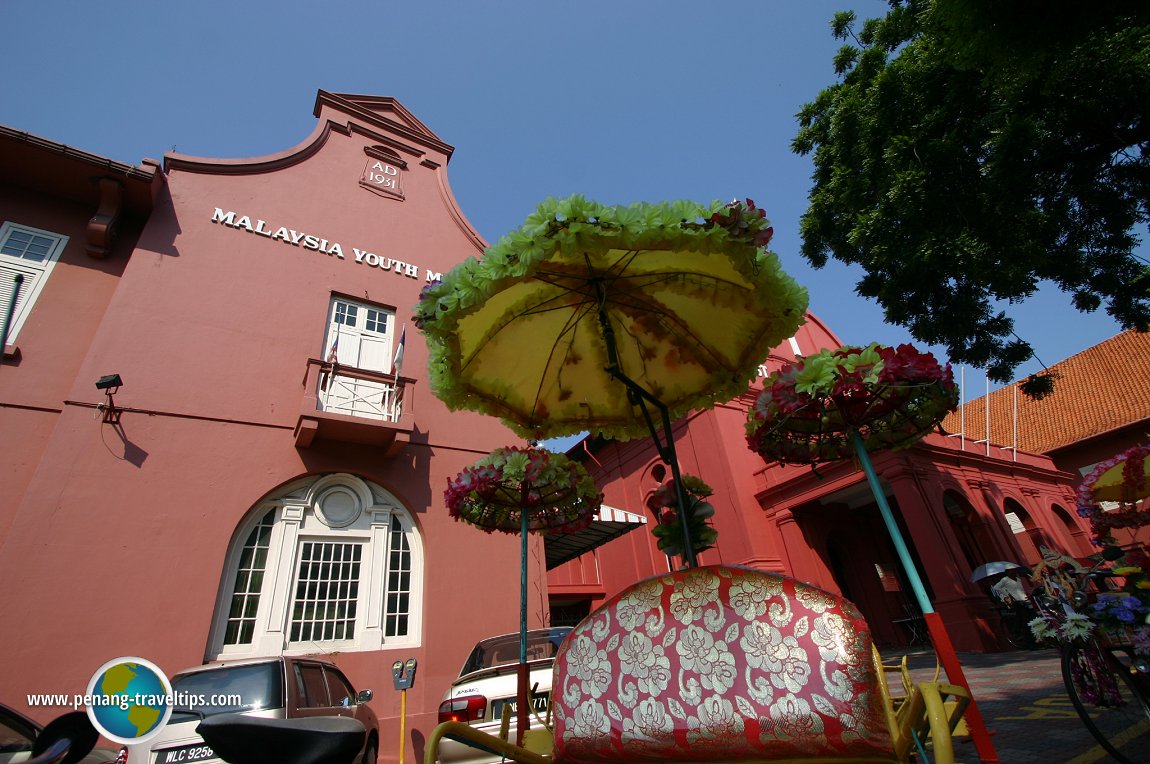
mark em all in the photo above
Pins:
pixel 600 319
pixel 1122 481
pixel 1124 478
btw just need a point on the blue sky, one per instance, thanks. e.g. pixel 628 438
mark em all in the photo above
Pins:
pixel 620 100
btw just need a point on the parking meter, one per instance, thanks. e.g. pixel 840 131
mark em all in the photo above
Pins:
pixel 403 673
pixel 403 676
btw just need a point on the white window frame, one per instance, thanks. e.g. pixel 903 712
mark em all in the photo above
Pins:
pixel 386 337
pixel 35 272
pixel 336 507
pixel 373 395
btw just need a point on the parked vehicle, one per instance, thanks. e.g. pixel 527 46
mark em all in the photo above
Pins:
pixel 243 739
pixel 18 736
pixel 280 687
pixel 488 682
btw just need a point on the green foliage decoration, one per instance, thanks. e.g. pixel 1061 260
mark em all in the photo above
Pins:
pixel 668 531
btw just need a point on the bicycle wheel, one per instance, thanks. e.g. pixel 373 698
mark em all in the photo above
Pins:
pixel 1111 702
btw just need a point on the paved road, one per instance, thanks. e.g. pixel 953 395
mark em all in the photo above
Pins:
pixel 1025 706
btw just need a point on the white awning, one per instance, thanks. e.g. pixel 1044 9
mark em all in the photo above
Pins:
pixel 609 523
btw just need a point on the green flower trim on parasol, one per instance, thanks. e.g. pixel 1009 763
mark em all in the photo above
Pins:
pixel 694 299
pixel 891 396
pixel 557 494
pixel 668 531
pixel 1124 480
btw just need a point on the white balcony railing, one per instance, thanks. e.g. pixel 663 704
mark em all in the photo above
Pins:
pixel 349 405
pixel 360 393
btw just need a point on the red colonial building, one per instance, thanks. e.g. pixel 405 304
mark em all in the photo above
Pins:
pixel 958 504
pixel 1100 407
pixel 203 392
pixel 209 384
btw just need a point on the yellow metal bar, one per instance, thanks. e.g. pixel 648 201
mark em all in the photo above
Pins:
pixel 468 735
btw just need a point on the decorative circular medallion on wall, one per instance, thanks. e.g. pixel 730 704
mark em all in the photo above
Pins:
pixel 338 506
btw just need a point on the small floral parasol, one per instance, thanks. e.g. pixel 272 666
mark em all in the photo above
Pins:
pixel 1122 479
pixel 515 486
pixel 850 401
pixel 809 411
pixel 518 490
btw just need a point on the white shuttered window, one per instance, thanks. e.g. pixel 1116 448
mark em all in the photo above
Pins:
pixel 30 253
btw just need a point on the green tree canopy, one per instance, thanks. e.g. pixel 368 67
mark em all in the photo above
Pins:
pixel 973 149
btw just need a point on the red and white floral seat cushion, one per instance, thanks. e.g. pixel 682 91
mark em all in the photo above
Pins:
pixel 722 664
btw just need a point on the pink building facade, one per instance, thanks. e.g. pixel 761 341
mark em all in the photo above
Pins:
pixel 267 477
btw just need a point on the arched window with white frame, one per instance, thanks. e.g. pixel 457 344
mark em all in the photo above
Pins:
pixel 330 562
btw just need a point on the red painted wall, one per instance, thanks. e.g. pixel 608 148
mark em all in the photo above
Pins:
pixel 114 540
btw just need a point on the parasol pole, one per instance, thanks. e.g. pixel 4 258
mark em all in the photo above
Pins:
pixel 640 397
pixel 667 454
pixel 523 675
pixel 938 633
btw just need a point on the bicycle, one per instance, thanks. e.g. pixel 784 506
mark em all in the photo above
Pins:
pixel 1107 683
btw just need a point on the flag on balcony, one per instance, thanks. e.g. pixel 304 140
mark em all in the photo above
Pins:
pixel 332 358
pixel 397 363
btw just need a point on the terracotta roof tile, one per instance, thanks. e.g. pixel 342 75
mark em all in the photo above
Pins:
pixel 1101 388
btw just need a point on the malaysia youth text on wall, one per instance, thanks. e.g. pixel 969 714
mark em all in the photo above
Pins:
pixel 319 244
